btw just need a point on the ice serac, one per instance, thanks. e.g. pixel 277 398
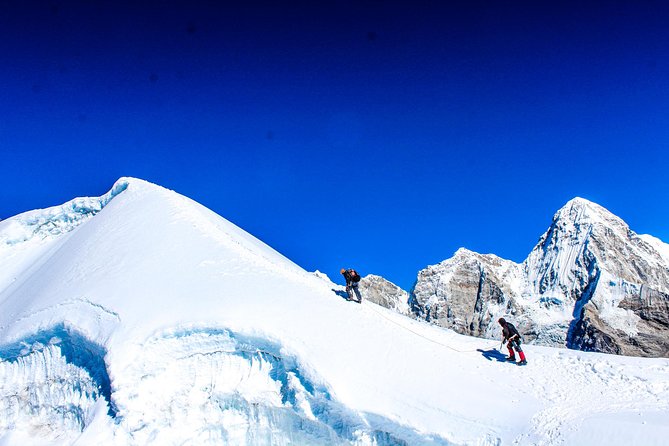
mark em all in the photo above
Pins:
pixel 53 221
pixel 591 283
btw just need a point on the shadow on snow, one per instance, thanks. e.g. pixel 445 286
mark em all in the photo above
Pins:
pixel 492 354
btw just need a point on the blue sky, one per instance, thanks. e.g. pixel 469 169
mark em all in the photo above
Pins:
pixel 376 135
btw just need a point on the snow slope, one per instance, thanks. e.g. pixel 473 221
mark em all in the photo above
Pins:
pixel 659 245
pixel 147 319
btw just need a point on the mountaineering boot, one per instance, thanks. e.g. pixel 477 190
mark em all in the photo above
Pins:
pixel 511 358
pixel 522 358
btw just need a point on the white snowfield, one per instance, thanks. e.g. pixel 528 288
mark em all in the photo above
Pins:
pixel 141 318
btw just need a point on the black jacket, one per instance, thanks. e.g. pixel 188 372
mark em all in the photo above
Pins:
pixel 509 331
pixel 349 277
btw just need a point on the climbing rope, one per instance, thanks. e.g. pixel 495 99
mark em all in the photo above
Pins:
pixel 418 334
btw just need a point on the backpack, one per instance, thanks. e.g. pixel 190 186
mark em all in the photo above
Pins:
pixel 512 331
pixel 355 277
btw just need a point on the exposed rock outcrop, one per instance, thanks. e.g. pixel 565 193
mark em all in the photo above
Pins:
pixel 649 337
pixel 466 292
pixel 385 293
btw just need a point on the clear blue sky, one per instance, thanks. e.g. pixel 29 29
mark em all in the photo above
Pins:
pixel 376 135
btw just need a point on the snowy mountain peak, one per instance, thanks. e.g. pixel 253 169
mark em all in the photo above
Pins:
pixel 580 201
pixel 580 210
pixel 582 227
pixel 464 255
pixel 137 184
pixel 577 227
pixel 108 239
pixel 464 252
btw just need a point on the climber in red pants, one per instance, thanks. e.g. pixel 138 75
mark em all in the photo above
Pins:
pixel 512 337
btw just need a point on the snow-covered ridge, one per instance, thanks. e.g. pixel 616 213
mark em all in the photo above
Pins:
pixel 56 220
pixel 661 247
pixel 160 322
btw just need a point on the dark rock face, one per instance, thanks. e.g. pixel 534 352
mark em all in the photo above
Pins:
pixel 465 293
pixel 385 293
pixel 590 333
pixel 651 338
pixel 590 283
pixel 652 307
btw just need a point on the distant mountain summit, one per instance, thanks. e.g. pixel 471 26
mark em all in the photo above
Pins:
pixel 590 283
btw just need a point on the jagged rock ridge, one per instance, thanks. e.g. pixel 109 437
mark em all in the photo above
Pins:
pixel 385 293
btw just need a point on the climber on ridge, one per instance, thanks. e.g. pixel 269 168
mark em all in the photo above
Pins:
pixel 512 337
pixel 352 279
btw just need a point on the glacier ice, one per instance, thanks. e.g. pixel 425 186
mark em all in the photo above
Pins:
pixel 198 386
pixel 56 220
pixel 51 383
pixel 250 391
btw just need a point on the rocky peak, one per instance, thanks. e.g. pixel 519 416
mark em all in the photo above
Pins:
pixel 575 222
pixel 385 293
pixel 466 291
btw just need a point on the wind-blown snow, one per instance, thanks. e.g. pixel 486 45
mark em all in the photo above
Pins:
pixel 150 319
pixel 661 247
pixel 55 220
